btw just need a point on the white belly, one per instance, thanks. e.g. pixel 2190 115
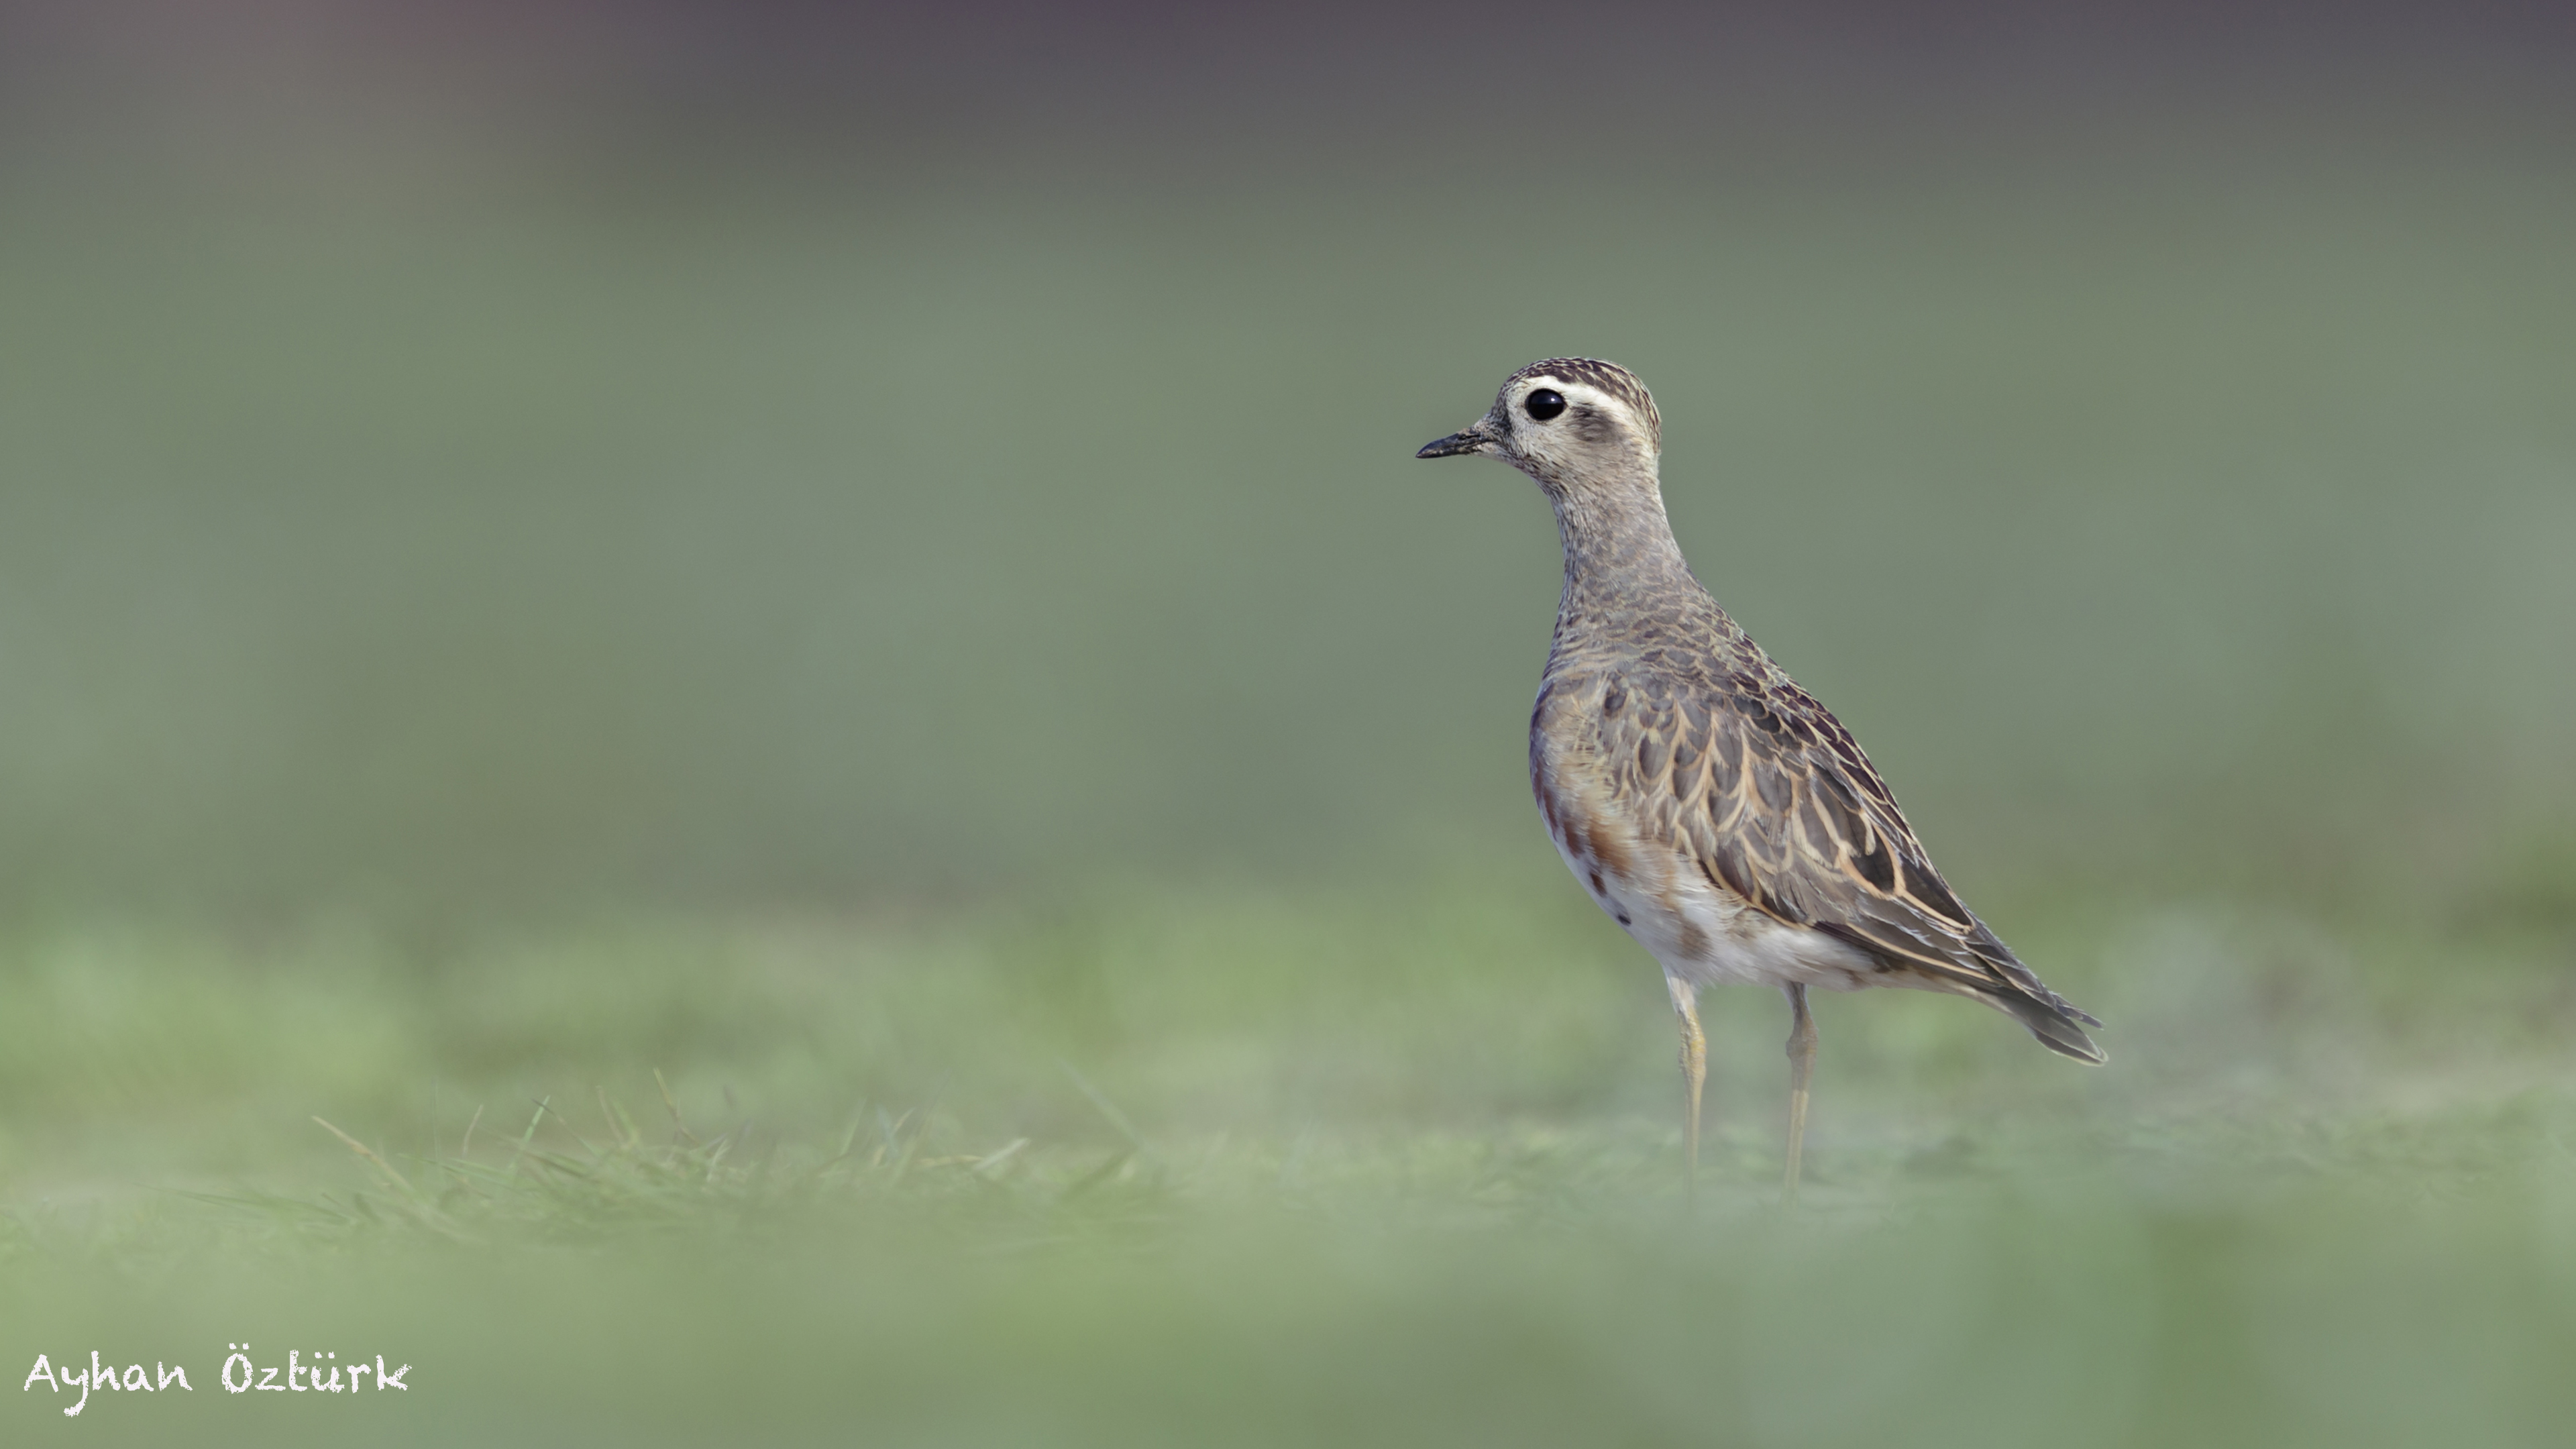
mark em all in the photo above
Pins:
pixel 1708 936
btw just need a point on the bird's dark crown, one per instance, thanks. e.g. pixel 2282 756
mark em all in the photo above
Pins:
pixel 1608 377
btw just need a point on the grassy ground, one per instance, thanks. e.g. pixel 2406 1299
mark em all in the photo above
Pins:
pixel 1357 1165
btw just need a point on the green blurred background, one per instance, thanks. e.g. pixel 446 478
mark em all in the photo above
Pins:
pixel 869 561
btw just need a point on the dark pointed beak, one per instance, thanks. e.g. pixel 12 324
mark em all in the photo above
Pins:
pixel 1467 441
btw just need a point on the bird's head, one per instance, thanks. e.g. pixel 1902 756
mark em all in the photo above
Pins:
pixel 1569 423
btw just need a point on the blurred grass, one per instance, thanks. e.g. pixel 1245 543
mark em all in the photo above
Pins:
pixel 1403 1170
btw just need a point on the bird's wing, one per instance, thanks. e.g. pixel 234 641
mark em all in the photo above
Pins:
pixel 1772 797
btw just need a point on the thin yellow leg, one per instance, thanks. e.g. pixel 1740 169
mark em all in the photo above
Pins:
pixel 1802 1060
pixel 1694 1073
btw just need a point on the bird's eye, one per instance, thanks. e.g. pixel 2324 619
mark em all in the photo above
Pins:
pixel 1543 404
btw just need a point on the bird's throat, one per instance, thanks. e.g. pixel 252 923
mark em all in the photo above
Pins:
pixel 1620 555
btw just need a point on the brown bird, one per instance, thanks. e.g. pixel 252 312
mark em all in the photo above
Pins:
pixel 1724 818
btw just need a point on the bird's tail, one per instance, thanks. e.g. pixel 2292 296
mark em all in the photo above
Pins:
pixel 2058 1025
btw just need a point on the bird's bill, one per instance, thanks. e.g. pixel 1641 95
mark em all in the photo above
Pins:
pixel 1466 441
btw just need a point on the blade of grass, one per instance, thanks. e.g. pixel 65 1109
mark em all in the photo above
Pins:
pixel 672 1105
pixel 1108 1109
pixel 530 1135
pixel 370 1154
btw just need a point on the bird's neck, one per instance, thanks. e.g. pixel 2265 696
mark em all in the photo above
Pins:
pixel 1621 561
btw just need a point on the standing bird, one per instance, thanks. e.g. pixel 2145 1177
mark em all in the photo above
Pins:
pixel 1724 818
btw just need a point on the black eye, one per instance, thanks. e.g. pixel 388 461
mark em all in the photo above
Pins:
pixel 1543 404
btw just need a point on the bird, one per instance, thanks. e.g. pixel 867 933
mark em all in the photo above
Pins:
pixel 1719 813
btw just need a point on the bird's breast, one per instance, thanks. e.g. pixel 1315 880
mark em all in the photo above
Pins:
pixel 1606 839
pixel 1640 869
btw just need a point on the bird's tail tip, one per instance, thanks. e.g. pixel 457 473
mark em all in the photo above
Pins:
pixel 2055 1024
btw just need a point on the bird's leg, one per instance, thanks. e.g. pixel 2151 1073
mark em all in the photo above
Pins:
pixel 1694 1069
pixel 1802 1059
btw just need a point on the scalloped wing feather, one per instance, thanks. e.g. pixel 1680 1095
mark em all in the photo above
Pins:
pixel 1775 801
